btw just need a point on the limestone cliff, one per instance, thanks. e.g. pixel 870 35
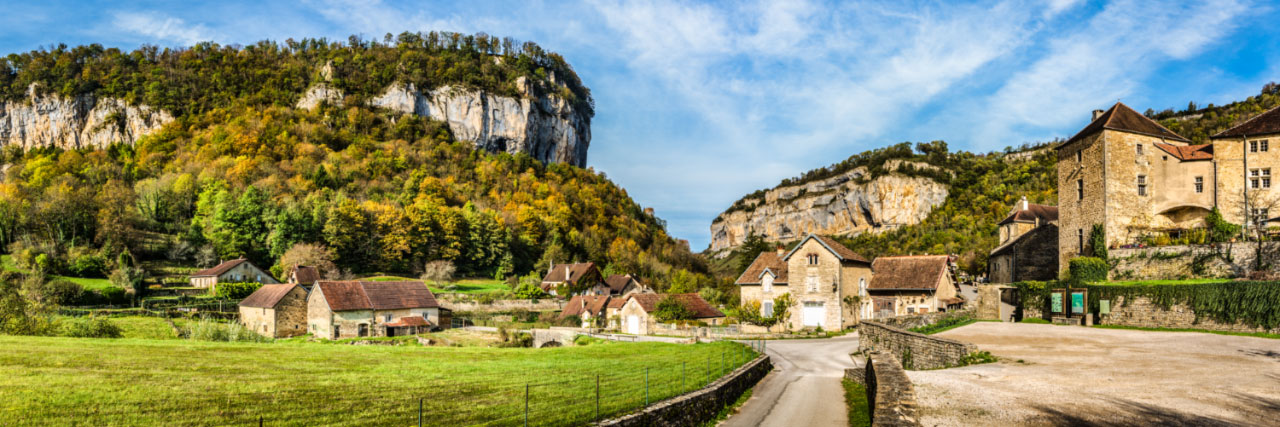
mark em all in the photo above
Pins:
pixel 81 122
pixel 546 127
pixel 844 204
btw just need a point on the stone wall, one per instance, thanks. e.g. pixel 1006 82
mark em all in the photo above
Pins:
pixel 917 351
pixel 457 303
pixel 1142 312
pixel 291 314
pixel 696 408
pixel 1174 262
pixel 918 320
pixel 890 395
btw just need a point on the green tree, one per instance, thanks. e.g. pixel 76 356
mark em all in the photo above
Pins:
pixel 670 309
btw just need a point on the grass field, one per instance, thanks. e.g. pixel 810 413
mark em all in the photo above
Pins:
pixel 461 286
pixel 46 381
pixel 88 283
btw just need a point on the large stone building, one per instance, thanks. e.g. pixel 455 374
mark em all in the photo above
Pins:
pixel 1028 248
pixel 1138 179
pixel 276 311
pixel 905 285
pixel 236 270
pixel 349 309
pixel 823 278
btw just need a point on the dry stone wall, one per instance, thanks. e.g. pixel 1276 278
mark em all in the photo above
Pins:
pixel 1174 262
pixel 890 395
pixel 696 408
pixel 1144 313
pixel 918 320
pixel 917 351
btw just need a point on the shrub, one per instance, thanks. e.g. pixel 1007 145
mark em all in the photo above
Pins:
pixel 670 309
pixel 83 263
pixel 1088 269
pixel 210 330
pixel 977 357
pixel 63 292
pixel 236 290
pixel 1219 229
pixel 1098 241
pixel 91 327
pixel 573 321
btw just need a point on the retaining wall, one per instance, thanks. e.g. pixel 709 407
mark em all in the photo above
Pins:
pixel 696 408
pixel 890 395
pixel 917 351
pixel 1175 262
pixel 1142 312
pixel 918 320
pixel 467 304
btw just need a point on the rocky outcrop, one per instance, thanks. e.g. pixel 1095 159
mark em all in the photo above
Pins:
pixel 319 94
pixel 546 127
pixel 841 205
pixel 85 121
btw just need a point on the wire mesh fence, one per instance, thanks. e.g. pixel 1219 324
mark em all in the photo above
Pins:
pixel 543 397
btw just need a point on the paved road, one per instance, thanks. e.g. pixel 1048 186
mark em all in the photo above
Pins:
pixel 804 388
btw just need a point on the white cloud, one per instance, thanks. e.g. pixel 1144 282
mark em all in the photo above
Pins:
pixel 161 27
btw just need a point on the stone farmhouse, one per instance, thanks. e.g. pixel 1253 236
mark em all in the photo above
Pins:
pixel 1028 248
pixel 577 275
pixel 905 285
pixel 636 315
pixel 1136 178
pixel 620 285
pixel 276 311
pixel 303 275
pixel 590 308
pixel 822 277
pixel 346 309
pixel 236 270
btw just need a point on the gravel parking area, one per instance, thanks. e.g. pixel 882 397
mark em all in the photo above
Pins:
pixel 1070 375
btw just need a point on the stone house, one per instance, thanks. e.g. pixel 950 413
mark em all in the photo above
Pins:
pixel 905 285
pixel 346 309
pixel 303 275
pixel 1028 248
pixel 636 315
pixel 236 270
pixel 583 275
pixel 613 312
pixel 276 311
pixel 1243 161
pixel 825 280
pixel 619 285
pixel 590 308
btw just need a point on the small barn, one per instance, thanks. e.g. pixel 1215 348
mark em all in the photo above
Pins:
pixel 347 309
pixel 589 308
pixel 236 270
pixel 276 311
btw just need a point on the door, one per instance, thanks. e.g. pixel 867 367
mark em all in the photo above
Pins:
pixel 633 324
pixel 815 313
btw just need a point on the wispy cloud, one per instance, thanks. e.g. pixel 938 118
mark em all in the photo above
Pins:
pixel 160 27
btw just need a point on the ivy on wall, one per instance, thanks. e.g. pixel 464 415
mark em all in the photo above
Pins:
pixel 1256 304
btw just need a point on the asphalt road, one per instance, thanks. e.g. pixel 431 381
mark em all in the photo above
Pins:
pixel 804 387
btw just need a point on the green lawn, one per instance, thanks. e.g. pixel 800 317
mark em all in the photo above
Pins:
pixel 855 400
pixel 1160 282
pixel 147 327
pixel 461 286
pixel 46 381
pixel 88 283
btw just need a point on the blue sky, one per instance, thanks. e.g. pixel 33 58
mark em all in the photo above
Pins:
pixel 698 104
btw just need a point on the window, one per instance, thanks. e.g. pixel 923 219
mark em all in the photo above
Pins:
pixel 1260 178
pixel 425 316
pixel 911 310
pixel 813 259
pixel 811 283
pixel 1139 149
pixel 766 309
pixel 1079 156
pixel 386 318
pixel 1142 185
pixel 1263 145
pixel 337 331
pixel 862 286
pixel 1253 146
pixel 1079 189
pixel 1261 215
pixel 1080 240
pixel 363 330
pixel 1199 184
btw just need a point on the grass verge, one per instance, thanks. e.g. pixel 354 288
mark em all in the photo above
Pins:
pixel 1206 331
pixel 729 410
pixel 1035 320
pixel 855 399
pixel 48 380
pixel 945 325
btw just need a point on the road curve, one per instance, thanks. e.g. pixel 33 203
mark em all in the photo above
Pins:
pixel 804 388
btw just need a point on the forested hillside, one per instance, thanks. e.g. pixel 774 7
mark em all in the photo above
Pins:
pixel 1198 124
pixel 240 172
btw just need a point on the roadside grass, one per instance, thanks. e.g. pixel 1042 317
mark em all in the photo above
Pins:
pixel 46 380
pixel 855 399
pixel 945 325
pixel 1160 282
pixel 460 286
pixel 1035 320
pixel 88 283
pixel 145 327
pixel 1206 331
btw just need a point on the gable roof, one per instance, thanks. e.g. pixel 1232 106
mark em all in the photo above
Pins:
pixel 362 295
pixel 580 304
pixel 1122 118
pixel 1263 124
pixel 1044 213
pixel 268 295
pixel 305 275
pixel 409 321
pixel 766 260
pixel 223 267
pixel 1009 244
pixel 840 251
pixel 618 282
pixel 1188 153
pixel 574 272
pixel 920 272
pixel 617 302
pixel 701 308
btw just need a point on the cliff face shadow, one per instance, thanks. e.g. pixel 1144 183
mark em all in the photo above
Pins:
pixel 1122 412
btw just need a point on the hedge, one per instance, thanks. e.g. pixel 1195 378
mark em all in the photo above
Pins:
pixel 1088 269
pixel 1256 304
pixel 235 290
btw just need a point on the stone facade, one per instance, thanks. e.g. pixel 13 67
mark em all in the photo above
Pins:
pixel 1142 312
pixel 1234 159
pixel 328 324
pixel 1032 254
pixel 243 272
pixel 698 407
pixel 917 351
pixel 287 319
pixel 890 395
pixel 824 283
pixel 1173 262
pixel 634 319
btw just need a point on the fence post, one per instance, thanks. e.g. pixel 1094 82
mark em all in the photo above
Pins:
pixel 721 362
pixel 526 404
pixel 682 368
pixel 597 397
pixel 646 386
pixel 419 412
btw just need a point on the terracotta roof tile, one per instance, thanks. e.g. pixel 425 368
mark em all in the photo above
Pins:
pixel 409 321
pixel 217 270
pixel 1266 123
pixel 306 275
pixel 618 282
pixel 575 271
pixel 700 307
pixel 922 272
pixel 1044 213
pixel 1122 118
pixel 617 302
pixel 1188 153
pixel 268 295
pixel 580 304
pixel 361 295
pixel 842 252
pixel 766 260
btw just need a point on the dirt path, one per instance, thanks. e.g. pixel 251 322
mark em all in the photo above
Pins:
pixel 804 388
pixel 1075 375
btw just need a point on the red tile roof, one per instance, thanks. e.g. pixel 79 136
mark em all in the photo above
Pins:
pixel 921 272
pixel 618 282
pixel 409 321
pixel 840 251
pixel 1033 211
pixel 217 270
pixel 617 302
pixel 1188 153
pixel 305 275
pixel 574 272
pixel 1122 118
pixel 268 295
pixel 766 260
pixel 580 304
pixel 700 308
pixel 1267 123
pixel 360 295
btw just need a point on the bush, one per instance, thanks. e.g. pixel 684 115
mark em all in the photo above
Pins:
pixel 91 327
pixel 235 290
pixel 977 357
pixel 1088 269
pixel 83 263
pixel 1098 241
pixel 571 321
pixel 1219 229
pixel 63 292
pixel 670 309
pixel 209 330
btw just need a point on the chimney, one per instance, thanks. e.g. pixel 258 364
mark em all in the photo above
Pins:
pixel 782 250
pixel 1097 114
pixel 1025 206
pixel 567 273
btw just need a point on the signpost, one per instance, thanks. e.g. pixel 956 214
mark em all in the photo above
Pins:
pixel 1070 306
